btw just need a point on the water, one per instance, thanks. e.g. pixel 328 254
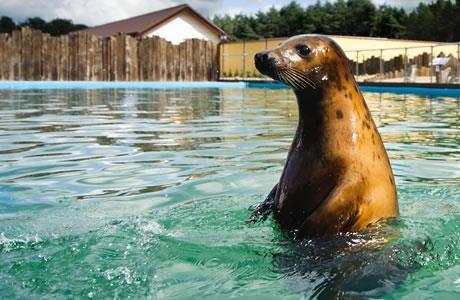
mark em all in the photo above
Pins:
pixel 139 193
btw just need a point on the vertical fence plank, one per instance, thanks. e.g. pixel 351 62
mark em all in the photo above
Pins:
pixel 148 59
pixel 36 44
pixel 71 57
pixel 48 59
pixel 141 60
pixel 17 54
pixel 208 65
pixel 64 57
pixel 105 58
pixel 202 53
pixel 155 57
pixel 131 59
pixel 111 58
pixel 215 55
pixel 189 60
pixel 82 47
pixel 169 61
pixel 2 56
pixel 176 58
pixel 182 61
pixel 43 56
pixel 2 59
pixel 56 58
pixel 121 56
pixel 98 65
pixel 7 54
pixel 28 54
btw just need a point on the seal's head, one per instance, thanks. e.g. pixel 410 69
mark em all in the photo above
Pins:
pixel 304 62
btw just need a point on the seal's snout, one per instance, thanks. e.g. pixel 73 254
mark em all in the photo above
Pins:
pixel 266 62
pixel 261 57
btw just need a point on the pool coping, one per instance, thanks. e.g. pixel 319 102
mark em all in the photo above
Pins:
pixel 428 89
pixel 449 90
pixel 42 85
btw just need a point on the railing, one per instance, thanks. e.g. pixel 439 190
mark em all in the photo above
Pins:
pixel 430 63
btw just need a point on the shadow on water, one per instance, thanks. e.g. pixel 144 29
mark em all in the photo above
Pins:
pixel 370 264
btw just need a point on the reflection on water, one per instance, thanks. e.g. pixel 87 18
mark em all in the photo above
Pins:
pixel 144 193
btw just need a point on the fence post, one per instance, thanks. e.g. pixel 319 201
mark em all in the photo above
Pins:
pixel 431 65
pixel 244 59
pixel 221 51
pixel 381 65
pixel 458 63
pixel 406 79
pixel 357 65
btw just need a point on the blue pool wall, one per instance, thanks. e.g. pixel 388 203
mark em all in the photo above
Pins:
pixel 431 90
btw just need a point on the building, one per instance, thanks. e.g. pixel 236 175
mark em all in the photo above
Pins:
pixel 174 24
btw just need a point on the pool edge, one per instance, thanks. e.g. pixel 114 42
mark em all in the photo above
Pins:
pixel 446 90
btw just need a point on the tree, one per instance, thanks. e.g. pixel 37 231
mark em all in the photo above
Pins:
pixel 227 24
pixel 35 23
pixel 62 26
pixel 268 24
pixel 438 20
pixel 359 19
pixel 243 28
pixel 293 18
pixel 389 22
pixel 7 24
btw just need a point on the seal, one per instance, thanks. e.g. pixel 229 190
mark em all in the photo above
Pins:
pixel 337 176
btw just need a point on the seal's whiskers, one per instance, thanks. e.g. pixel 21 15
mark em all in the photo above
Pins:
pixel 295 79
pixel 305 78
pixel 304 83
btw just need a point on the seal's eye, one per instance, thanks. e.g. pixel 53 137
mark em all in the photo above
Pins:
pixel 303 50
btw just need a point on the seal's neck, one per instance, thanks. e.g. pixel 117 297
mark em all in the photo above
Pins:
pixel 311 110
pixel 319 107
pixel 310 102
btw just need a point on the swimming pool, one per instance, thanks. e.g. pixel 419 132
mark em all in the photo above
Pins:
pixel 134 191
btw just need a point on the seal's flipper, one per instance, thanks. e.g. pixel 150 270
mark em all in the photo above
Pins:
pixel 335 204
pixel 264 209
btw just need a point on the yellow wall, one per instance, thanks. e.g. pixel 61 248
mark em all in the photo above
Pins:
pixel 233 62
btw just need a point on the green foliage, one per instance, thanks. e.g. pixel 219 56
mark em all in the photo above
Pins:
pixel 35 23
pixel 7 24
pixel 62 26
pixel 54 27
pixel 439 20
pixel 390 22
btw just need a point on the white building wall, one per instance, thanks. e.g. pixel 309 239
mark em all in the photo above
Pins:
pixel 181 27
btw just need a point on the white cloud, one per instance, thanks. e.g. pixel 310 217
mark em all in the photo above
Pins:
pixel 399 3
pixel 94 12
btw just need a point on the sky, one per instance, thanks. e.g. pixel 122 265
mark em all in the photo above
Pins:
pixel 94 12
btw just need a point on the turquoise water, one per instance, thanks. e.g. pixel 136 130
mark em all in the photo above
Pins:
pixel 141 193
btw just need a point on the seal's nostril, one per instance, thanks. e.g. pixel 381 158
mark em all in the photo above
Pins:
pixel 261 57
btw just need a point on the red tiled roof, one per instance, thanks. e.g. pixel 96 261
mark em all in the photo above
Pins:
pixel 143 23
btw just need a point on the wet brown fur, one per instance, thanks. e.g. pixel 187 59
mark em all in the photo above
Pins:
pixel 332 181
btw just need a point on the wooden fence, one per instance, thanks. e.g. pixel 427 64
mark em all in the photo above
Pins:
pixel 32 55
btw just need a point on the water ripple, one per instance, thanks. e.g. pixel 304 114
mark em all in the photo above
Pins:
pixel 144 194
